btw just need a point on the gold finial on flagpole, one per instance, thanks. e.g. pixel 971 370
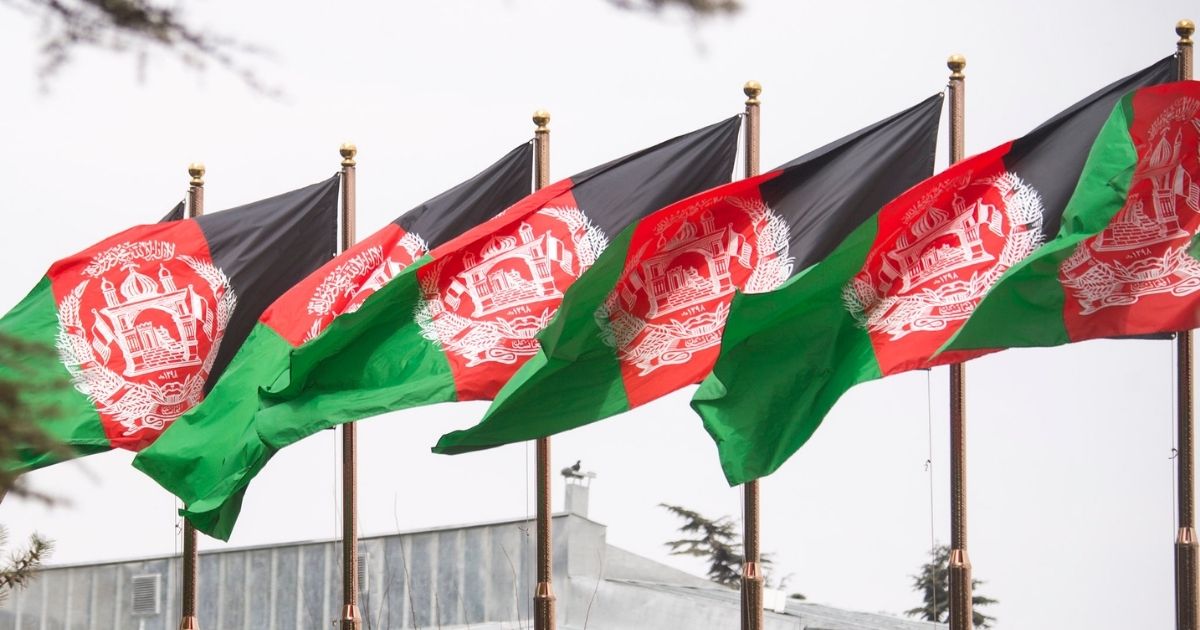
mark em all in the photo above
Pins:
pixel 1185 29
pixel 348 151
pixel 541 149
pixel 196 170
pixel 956 63
pixel 752 90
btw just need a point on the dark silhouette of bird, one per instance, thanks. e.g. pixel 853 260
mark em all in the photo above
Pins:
pixel 573 472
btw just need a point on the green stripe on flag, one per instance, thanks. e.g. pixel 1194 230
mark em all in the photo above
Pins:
pixel 210 453
pixel 365 363
pixel 45 385
pixel 1025 307
pixel 573 380
pixel 786 358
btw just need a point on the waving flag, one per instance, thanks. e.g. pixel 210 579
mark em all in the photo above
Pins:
pixel 145 320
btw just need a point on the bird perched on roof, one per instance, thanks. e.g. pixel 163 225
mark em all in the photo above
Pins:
pixel 573 472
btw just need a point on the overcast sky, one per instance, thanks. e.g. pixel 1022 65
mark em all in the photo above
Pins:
pixel 1070 485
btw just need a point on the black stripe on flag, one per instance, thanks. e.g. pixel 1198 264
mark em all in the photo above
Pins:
pixel 1051 157
pixel 265 248
pixel 175 214
pixel 473 201
pixel 826 194
pixel 618 193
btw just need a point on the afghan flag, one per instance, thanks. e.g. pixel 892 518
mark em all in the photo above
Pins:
pixel 647 320
pixel 453 326
pixel 1127 258
pixel 146 320
pixel 895 290
pixel 216 443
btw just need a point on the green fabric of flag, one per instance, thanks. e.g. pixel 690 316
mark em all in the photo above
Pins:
pixel 647 319
pixel 450 325
pixel 126 335
pixel 210 454
pixel 900 287
pixel 1124 262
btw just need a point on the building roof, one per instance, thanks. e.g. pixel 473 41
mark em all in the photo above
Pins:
pixel 478 575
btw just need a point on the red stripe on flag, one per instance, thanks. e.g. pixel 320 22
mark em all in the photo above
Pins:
pixel 667 312
pixel 342 284
pixel 938 248
pixel 486 295
pixel 141 315
pixel 1137 276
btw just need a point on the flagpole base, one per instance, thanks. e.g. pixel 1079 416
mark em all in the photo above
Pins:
pixel 1187 597
pixel 962 612
pixel 189 623
pixel 752 596
pixel 350 620
pixel 543 607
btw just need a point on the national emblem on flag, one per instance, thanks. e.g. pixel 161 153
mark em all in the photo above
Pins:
pixel 145 321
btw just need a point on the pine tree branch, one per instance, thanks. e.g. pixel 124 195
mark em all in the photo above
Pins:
pixel 22 565
pixel 138 27
pixel 698 8
pixel 22 388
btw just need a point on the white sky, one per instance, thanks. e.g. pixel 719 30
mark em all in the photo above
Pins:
pixel 1070 479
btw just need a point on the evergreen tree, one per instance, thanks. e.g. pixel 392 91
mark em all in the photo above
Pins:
pixel 21 565
pixel 717 541
pixel 17 429
pixel 933 582
pixel 19 411
pixel 141 27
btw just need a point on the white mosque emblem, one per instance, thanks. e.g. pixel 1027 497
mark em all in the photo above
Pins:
pixel 511 286
pixel 166 332
pixel 1144 250
pixel 350 283
pixel 684 282
pixel 923 282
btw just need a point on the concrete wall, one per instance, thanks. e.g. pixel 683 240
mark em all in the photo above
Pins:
pixel 446 577
pixel 479 577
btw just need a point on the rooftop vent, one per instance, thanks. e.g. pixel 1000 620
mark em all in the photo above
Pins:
pixel 145 594
pixel 364 560
pixel 579 482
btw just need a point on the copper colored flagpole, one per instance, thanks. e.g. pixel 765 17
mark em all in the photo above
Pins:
pixel 191 557
pixel 350 619
pixel 961 607
pixel 752 577
pixel 543 595
pixel 1187 599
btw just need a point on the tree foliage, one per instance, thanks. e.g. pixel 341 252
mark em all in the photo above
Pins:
pixel 21 565
pixel 933 582
pixel 716 540
pixel 25 398
pixel 18 430
pixel 141 27
pixel 138 27
pixel 698 8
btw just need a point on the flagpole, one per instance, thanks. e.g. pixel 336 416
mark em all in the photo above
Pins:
pixel 543 596
pixel 961 605
pixel 752 577
pixel 191 556
pixel 351 619
pixel 1187 553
